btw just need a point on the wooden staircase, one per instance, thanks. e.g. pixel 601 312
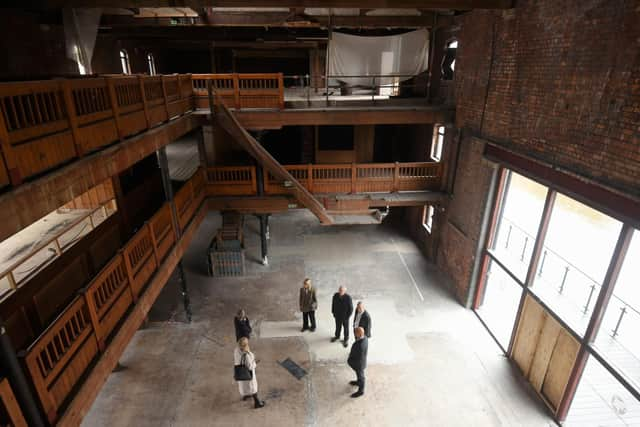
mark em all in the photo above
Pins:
pixel 228 121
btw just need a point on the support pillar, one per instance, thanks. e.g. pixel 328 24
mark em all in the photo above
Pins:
pixel 19 385
pixel 264 235
pixel 168 193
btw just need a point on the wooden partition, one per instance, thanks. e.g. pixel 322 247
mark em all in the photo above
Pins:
pixel 162 231
pixel 329 178
pixel 10 406
pixel 59 357
pixel 44 124
pixel 139 257
pixel 240 90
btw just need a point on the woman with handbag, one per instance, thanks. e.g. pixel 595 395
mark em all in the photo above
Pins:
pixel 245 372
pixel 242 325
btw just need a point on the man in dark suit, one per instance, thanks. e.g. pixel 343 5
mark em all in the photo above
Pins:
pixel 358 360
pixel 341 307
pixel 361 318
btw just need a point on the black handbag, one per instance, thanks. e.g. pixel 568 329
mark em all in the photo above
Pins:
pixel 241 372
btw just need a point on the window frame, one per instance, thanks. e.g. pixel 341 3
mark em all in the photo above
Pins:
pixel 428 213
pixel 437 142
pixel 151 64
pixel 124 61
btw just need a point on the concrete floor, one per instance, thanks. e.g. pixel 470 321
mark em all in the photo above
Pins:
pixel 430 361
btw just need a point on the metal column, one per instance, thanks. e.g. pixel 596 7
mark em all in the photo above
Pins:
pixel 168 193
pixel 264 218
pixel 19 385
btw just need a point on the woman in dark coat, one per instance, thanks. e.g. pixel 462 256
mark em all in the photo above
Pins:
pixel 242 324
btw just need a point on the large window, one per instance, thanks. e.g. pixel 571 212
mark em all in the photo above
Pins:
pixel 151 62
pixel 427 217
pixel 124 62
pixel 584 256
pixel 618 338
pixel 576 253
pixel 437 143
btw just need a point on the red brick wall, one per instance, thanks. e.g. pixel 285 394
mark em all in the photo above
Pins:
pixel 558 81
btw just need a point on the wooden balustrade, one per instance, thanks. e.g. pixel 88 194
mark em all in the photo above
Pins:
pixel 44 124
pixel 108 297
pixel 140 259
pixel 10 406
pixel 329 178
pixel 240 90
pixel 61 355
pixel 232 180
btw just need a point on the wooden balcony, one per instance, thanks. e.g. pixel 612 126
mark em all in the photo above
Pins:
pixel 352 178
pixel 64 355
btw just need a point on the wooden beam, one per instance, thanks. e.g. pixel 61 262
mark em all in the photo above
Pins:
pixel 369 4
pixel 250 205
pixel 31 201
pixel 89 390
pixel 256 120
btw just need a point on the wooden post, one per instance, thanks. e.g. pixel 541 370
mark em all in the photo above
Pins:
pixel 129 269
pixel 353 178
pixel 164 94
pixel 265 179
pixel 310 177
pixel 396 177
pixel 72 116
pixel 236 90
pixel 281 91
pixel 154 243
pixel 254 181
pixel 93 315
pixel 9 156
pixel 114 106
pixel 144 101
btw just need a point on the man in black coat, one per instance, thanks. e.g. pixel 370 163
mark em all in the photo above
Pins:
pixel 358 360
pixel 341 307
pixel 361 318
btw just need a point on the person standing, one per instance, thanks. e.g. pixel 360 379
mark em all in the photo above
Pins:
pixel 308 305
pixel 248 389
pixel 361 318
pixel 358 360
pixel 341 308
pixel 242 324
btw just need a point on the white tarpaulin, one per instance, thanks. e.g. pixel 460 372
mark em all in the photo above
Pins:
pixel 404 54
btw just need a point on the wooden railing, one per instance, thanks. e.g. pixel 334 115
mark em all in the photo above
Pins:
pixel 46 251
pixel 240 90
pixel 329 178
pixel 62 354
pixel 10 406
pixel 44 124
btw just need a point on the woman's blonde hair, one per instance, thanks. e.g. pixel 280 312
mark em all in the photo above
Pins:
pixel 243 344
pixel 307 280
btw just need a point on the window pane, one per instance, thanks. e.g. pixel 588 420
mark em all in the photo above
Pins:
pixel 575 257
pixel 518 221
pixel 499 304
pixel 600 400
pixel 619 336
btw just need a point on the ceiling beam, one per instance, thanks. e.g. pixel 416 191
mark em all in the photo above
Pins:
pixel 238 19
pixel 369 4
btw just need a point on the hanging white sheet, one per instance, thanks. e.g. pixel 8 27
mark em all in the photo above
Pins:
pixel 405 54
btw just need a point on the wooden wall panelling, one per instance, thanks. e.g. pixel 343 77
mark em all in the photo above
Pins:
pixel 527 335
pixel 95 116
pixel 544 350
pixel 560 366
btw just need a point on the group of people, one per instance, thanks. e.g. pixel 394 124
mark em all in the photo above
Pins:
pixel 341 308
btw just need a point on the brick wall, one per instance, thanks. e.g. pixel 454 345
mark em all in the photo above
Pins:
pixel 558 81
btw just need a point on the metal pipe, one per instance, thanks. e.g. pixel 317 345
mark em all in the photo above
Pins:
pixel 263 238
pixel 623 311
pixel 506 244
pixel 19 385
pixel 586 306
pixel 544 257
pixel 524 248
pixel 564 279
pixel 182 278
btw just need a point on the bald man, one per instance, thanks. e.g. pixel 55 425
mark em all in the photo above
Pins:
pixel 358 360
pixel 341 308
